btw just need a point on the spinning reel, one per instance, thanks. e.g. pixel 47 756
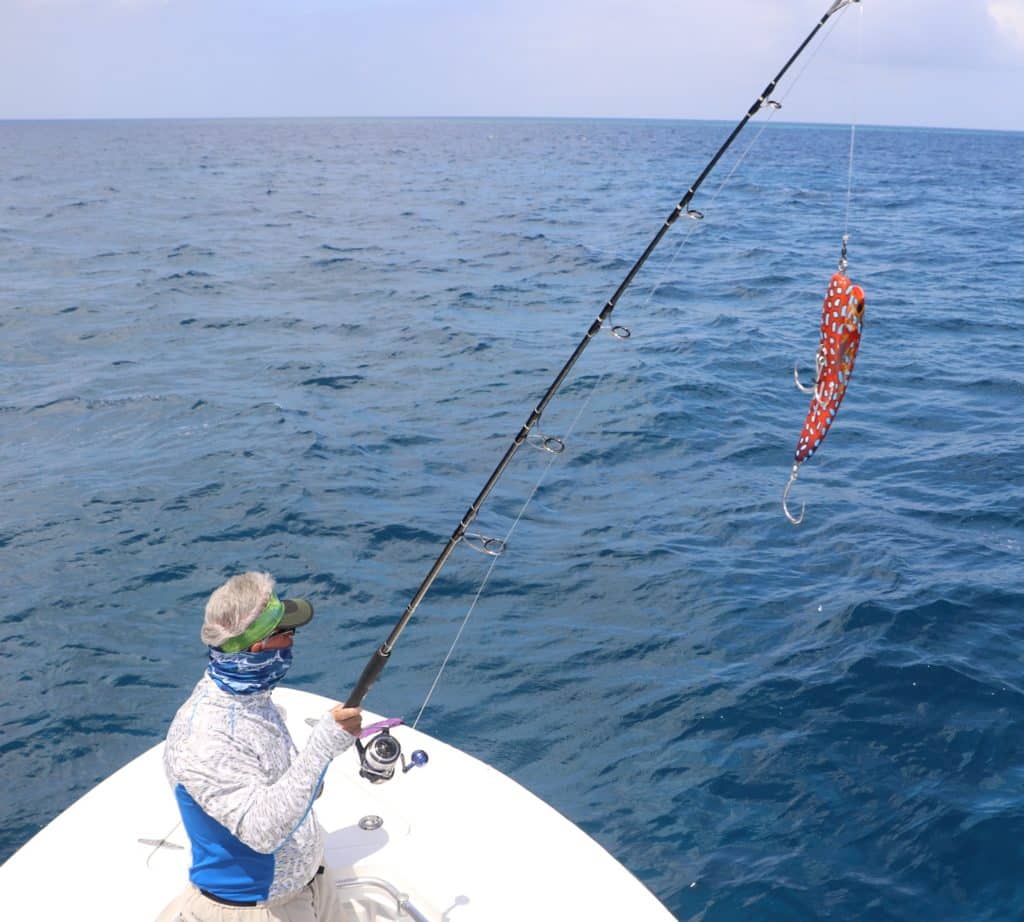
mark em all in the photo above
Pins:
pixel 379 758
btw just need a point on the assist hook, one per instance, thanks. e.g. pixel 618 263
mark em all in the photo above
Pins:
pixel 795 520
pixel 800 385
pixel 819 363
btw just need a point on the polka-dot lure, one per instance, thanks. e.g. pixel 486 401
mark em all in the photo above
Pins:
pixel 842 319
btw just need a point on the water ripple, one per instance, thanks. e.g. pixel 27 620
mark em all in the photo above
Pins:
pixel 760 721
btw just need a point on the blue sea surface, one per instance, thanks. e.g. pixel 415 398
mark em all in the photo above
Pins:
pixel 303 345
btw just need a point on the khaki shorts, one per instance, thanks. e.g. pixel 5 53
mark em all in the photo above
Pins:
pixel 316 902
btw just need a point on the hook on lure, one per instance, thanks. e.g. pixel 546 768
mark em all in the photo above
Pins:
pixel 819 382
pixel 842 321
pixel 795 519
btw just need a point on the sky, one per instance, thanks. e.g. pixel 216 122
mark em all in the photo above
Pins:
pixel 942 63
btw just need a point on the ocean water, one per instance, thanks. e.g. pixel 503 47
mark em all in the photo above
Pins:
pixel 302 346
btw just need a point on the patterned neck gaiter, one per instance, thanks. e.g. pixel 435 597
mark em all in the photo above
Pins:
pixel 248 673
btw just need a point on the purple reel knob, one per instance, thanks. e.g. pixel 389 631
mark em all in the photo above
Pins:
pixel 416 758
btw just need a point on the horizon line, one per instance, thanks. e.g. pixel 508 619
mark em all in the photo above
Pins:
pixel 551 118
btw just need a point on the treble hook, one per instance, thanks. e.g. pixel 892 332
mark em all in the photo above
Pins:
pixel 785 496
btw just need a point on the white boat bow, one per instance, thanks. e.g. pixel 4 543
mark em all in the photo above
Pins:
pixel 452 841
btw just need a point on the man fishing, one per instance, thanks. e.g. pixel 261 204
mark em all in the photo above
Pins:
pixel 244 791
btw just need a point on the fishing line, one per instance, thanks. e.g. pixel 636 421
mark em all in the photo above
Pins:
pixel 773 106
pixel 849 183
pixel 773 110
pixel 496 557
pixel 547 467
pixel 853 122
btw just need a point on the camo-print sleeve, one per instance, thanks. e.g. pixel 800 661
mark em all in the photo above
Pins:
pixel 233 788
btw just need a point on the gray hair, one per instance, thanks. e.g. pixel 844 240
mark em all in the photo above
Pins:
pixel 234 606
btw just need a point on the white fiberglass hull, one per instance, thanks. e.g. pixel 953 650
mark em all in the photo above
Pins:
pixel 459 842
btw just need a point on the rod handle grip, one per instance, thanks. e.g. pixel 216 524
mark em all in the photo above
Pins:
pixel 370 673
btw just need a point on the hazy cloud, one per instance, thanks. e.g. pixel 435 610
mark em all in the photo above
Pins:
pixel 1009 17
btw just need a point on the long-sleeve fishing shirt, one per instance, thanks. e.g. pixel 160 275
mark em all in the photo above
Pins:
pixel 246 793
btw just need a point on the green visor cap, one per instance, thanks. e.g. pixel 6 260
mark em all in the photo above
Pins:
pixel 277 615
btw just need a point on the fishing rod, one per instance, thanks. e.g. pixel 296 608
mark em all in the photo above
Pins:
pixel 379 660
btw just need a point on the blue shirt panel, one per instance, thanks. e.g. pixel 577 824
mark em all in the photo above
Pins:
pixel 221 863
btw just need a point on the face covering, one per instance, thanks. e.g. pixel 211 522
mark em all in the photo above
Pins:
pixel 248 673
